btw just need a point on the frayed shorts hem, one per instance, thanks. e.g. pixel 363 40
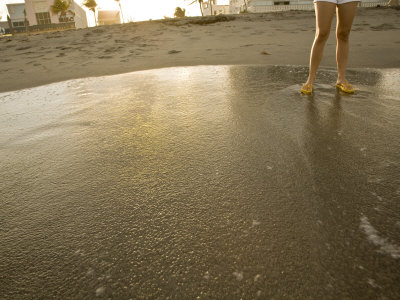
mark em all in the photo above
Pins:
pixel 338 2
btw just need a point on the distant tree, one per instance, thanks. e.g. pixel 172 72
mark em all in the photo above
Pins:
pixel 120 9
pixel 61 7
pixel 26 22
pixel 211 2
pixel 201 5
pixel 246 5
pixel 91 5
pixel 179 12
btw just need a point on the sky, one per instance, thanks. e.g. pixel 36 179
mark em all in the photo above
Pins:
pixel 139 10
pixel 3 9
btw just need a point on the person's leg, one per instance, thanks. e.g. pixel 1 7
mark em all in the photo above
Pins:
pixel 345 16
pixel 324 12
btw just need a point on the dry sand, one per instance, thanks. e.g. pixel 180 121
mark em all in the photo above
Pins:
pixel 286 37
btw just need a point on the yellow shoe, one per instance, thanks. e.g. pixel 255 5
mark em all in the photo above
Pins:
pixel 345 87
pixel 307 89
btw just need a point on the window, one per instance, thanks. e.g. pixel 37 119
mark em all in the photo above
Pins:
pixel 18 24
pixel 43 18
pixel 282 3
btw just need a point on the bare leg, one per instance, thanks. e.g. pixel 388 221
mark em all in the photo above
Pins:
pixel 345 16
pixel 324 12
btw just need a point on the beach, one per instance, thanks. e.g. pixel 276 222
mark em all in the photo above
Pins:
pixel 281 38
pixel 217 180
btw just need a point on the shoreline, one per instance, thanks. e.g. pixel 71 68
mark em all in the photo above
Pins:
pixel 33 60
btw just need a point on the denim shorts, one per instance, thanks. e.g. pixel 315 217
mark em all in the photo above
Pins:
pixel 338 2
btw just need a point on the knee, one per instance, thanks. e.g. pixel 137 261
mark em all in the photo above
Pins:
pixel 322 35
pixel 343 35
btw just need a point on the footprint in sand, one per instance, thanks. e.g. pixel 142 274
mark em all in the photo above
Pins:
pixel 53 37
pixel 173 51
pixel 383 26
pixel 63 48
pixel 26 53
pixel 109 50
pixel 98 30
pixel 23 48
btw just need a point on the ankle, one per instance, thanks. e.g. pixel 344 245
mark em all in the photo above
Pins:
pixel 309 82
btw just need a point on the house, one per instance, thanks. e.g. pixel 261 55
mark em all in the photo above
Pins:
pixel 273 5
pixel 260 6
pixel 16 12
pixel 108 17
pixel 38 12
pixel 212 8
pixel 237 6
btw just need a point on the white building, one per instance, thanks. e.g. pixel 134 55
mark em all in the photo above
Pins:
pixel 259 6
pixel 39 12
pixel 237 6
pixel 108 17
pixel 16 12
pixel 212 8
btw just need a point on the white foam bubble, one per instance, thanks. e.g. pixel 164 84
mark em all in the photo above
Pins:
pixel 206 275
pixel 90 272
pixel 372 283
pixel 100 291
pixel 377 196
pixel 373 236
pixel 238 275
pixel 364 151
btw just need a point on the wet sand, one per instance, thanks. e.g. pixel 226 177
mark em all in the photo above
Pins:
pixel 201 182
pixel 28 61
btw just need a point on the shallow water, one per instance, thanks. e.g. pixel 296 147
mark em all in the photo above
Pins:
pixel 212 181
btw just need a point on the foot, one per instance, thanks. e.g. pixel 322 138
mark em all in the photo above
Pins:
pixel 345 87
pixel 307 88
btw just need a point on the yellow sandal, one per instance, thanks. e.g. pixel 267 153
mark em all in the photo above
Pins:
pixel 345 87
pixel 307 89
